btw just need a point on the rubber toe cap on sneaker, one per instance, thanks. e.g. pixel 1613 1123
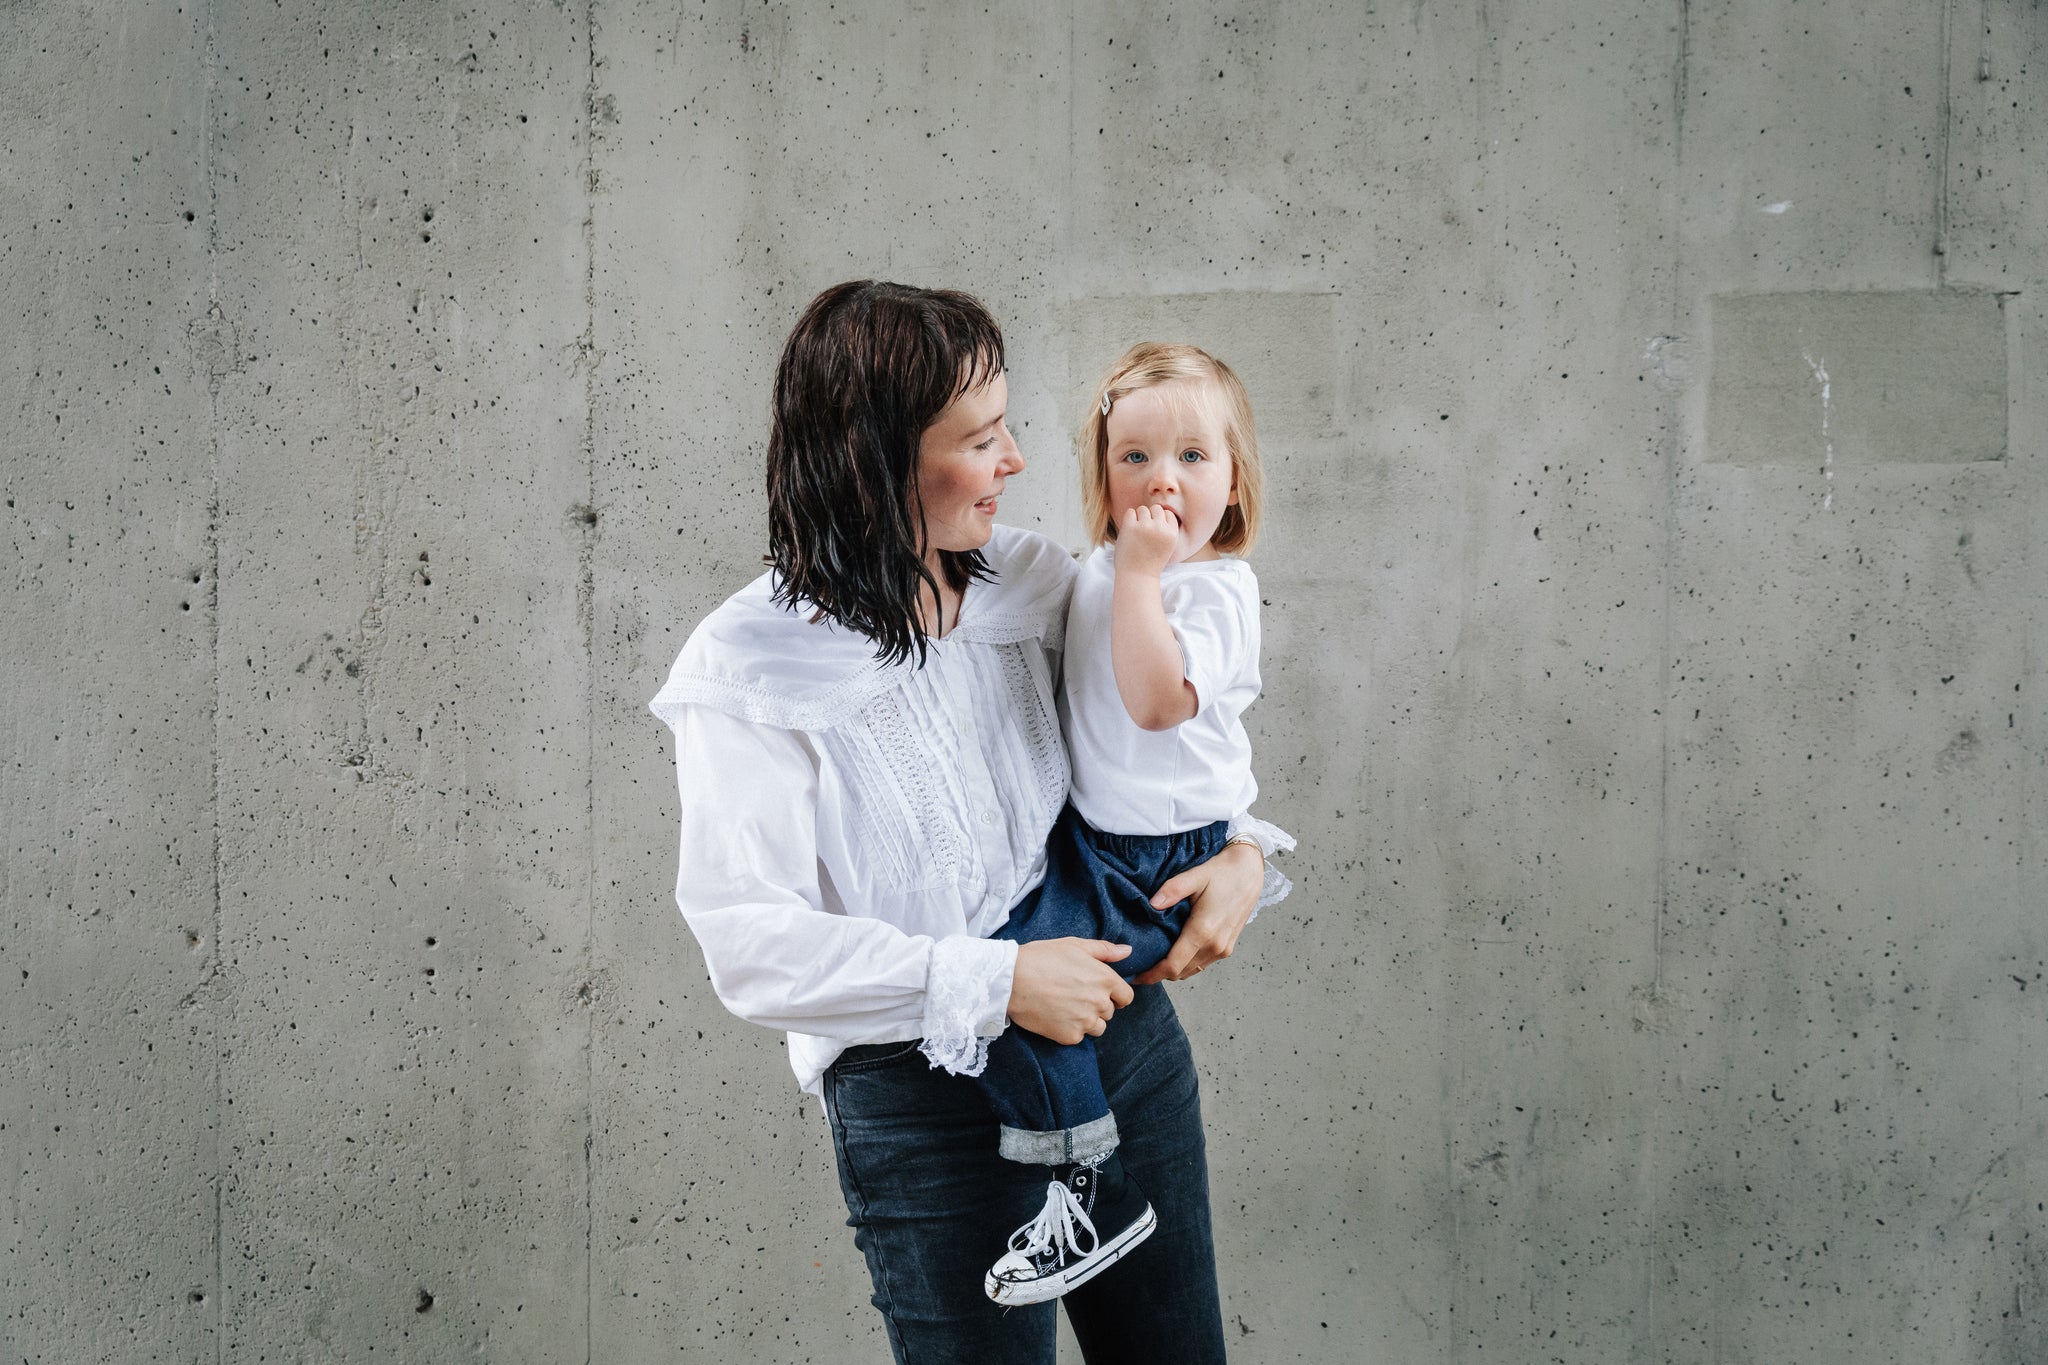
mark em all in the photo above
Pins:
pixel 1015 1279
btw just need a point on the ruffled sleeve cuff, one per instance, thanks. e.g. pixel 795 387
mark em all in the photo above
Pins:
pixel 1270 839
pixel 967 1001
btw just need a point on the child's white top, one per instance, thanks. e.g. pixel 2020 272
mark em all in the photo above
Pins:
pixel 1129 780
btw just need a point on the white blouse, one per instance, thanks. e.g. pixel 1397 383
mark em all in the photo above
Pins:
pixel 853 832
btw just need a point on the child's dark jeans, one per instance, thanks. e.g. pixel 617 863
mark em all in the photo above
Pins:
pixel 1048 1096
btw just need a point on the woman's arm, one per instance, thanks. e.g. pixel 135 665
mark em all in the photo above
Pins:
pixel 747 882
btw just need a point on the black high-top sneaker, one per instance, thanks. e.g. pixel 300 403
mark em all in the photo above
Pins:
pixel 1092 1216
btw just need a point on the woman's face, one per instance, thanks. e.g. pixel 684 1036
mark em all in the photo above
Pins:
pixel 962 461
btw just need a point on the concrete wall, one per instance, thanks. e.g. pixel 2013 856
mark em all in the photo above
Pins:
pixel 1656 421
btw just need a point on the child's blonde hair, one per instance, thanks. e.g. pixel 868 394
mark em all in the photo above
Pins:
pixel 1147 365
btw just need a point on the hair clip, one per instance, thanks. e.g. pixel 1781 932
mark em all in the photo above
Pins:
pixel 1105 402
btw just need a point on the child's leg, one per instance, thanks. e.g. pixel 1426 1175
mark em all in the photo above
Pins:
pixel 1048 1096
pixel 1049 1102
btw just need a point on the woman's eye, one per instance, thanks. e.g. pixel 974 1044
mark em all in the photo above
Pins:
pixel 989 444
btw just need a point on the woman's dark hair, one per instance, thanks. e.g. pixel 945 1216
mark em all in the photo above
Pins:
pixel 868 367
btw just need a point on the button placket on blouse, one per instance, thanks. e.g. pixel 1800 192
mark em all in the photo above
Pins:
pixel 964 680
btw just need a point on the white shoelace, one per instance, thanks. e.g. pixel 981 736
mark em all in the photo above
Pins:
pixel 1058 1223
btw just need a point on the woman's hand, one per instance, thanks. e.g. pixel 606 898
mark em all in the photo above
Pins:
pixel 1064 990
pixel 1226 891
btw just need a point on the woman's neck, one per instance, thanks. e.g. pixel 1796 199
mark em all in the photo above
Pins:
pixel 938 619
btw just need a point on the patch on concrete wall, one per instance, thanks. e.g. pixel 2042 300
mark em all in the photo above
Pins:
pixel 1857 378
pixel 214 347
pixel 1280 345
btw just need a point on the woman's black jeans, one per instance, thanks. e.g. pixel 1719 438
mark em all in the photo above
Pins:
pixel 933 1205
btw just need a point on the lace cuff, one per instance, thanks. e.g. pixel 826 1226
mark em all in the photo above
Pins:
pixel 1269 839
pixel 1273 892
pixel 966 1001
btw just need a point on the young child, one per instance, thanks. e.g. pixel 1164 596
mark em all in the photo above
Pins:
pixel 1162 655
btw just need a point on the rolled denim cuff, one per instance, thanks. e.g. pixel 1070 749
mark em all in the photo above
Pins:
pixel 1094 1139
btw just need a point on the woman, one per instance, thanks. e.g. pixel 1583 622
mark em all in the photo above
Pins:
pixel 869 759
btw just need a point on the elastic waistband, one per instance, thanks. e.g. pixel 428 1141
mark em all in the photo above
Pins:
pixel 1189 845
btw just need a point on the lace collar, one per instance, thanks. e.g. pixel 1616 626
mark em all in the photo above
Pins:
pixel 766 664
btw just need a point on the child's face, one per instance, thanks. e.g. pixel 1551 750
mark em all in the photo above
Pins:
pixel 1166 449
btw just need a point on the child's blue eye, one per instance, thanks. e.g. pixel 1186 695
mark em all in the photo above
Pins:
pixel 1190 456
pixel 1133 457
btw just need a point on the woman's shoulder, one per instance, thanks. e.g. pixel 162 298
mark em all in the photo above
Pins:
pixel 1026 596
pixel 1028 561
pixel 764 661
